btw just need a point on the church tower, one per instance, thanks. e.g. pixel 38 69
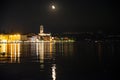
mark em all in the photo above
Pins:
pixel 41 29
pixel 42 35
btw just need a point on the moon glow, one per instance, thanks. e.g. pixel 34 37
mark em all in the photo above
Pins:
pixel 53 7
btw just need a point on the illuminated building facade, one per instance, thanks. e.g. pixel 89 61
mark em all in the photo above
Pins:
pixel 10 37
pixel 31 37
pixel 44 36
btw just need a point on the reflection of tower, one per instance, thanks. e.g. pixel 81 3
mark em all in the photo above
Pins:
pixel 41 29
pixel 54 71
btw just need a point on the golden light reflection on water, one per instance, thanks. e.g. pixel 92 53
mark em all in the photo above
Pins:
pixel 19 52
pixel 42 52
pixel 100 52
pixel 10 53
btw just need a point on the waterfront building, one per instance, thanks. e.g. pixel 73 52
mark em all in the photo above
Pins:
pixel 44 36
pixel 24 38
pixel 10 37
pixel 31 37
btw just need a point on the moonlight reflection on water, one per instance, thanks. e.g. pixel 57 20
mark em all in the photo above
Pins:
pixel 59 61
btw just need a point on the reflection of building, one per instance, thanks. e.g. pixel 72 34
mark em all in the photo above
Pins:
pixel 11 52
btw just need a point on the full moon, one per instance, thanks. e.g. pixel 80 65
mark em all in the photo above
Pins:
pixel 53 7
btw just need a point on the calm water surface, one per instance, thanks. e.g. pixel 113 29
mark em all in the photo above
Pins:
pixel 83 60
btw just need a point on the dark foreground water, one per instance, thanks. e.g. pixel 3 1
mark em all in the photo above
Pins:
pixel 83 60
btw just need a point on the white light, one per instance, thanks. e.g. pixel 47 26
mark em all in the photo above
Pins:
pixel 53 7
pixel 54 72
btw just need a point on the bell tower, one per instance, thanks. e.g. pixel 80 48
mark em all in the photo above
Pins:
pixel 41 29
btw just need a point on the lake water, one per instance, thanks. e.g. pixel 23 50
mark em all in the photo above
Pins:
pixel 83 60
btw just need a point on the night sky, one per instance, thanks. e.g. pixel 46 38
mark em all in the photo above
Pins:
pixel 25 16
